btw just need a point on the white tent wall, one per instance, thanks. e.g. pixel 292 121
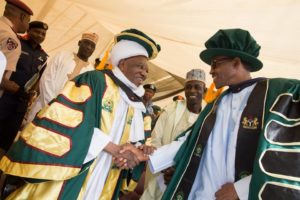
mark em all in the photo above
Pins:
pixel 181 27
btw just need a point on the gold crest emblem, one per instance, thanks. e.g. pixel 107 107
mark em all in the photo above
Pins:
pixel 250 123
pixel 129 121
pixel 180 196
pixel 107 105
pixel 198 150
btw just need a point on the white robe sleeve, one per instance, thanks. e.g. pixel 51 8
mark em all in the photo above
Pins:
pixel 46 86
pixel 164 156
pixel 158 131
pixel 3 63
pixel 49 80
pixel 99 141
pixel 242 187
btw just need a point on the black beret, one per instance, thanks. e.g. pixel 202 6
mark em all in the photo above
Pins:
pixel 156 108
pixel 150 86
pixel 38 24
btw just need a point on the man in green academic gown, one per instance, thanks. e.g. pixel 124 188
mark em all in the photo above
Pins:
pixel 67 152
pixel 245 144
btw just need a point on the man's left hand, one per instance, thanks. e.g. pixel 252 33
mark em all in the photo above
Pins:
pixel 227 192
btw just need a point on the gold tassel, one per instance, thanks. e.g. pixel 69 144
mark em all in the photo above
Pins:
pixel 103 65
pixel 212 94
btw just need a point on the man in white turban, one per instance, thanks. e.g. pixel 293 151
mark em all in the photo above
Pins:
pixel 70 146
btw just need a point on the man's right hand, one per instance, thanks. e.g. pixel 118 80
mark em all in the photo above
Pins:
pixel 7 84
pixel 124 156
pixel 126 159
pixel 136 151
pixel 168 174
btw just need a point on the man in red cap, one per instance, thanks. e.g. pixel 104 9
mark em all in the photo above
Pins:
pixel 15 19
pixel 30 66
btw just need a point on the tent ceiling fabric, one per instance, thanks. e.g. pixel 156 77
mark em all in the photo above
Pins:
pixel 180 26
pixel 167 84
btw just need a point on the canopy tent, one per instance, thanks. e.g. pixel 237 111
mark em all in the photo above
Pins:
pixel 181 27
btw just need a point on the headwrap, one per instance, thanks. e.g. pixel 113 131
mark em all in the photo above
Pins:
pixel 126 49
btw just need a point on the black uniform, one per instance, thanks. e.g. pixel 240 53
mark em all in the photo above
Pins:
pixel 13 106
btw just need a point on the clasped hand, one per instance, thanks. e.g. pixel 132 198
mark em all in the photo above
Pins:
pixel 130 156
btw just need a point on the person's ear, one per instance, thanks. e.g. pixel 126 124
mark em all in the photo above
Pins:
pixel 22 17
pixel 121 65
pixel 237 62
pixel 79 42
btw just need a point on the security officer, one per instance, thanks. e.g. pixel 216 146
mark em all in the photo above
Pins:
pixel 15 19
pixel 30 66
pixel 150 90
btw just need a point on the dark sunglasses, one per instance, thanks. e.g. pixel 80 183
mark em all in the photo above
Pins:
pixel 219 61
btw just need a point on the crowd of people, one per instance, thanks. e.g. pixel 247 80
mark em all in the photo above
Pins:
pixel 69 130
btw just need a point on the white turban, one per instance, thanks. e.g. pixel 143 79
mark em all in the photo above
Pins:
pixel 126 49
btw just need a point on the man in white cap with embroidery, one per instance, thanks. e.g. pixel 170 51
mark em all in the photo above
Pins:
pixel 67 151
pixel 176 118
pixel 62 67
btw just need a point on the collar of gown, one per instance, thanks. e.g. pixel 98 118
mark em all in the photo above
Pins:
pixel 240 86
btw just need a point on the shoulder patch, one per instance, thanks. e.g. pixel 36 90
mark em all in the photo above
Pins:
pixel 11 44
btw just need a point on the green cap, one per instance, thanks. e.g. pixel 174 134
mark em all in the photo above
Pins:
pixel 233 43
pixel 138 36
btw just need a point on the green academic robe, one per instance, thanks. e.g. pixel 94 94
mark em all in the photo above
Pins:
pixel 51 150
pixel 276 163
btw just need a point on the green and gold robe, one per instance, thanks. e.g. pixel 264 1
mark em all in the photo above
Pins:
pixel 51 150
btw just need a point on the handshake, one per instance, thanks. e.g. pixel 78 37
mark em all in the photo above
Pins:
pixel 127 156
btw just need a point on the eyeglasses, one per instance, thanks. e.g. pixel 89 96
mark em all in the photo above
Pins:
pixel 216 62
